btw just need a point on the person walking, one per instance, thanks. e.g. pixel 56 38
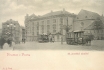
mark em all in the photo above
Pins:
pixel 53 39
pixel 24 40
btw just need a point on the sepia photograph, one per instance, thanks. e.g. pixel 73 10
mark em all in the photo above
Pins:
pixel 55 25
pixel 31 29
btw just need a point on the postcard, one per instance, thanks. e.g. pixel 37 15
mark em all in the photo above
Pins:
pixel 51 35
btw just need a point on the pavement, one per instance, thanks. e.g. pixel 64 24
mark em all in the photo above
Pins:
pixel 52 46
pixel 55 46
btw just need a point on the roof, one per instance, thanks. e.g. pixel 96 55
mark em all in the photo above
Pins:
pixel 84 14
pixel 56 13
pixel 33 16
pixel 97 23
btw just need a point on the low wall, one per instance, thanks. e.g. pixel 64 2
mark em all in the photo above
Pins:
pixel 97 43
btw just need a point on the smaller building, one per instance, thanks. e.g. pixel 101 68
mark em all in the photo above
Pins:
pixel 11 28
pixel 87 22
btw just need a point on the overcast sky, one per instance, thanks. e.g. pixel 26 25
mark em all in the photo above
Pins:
pixel 17 9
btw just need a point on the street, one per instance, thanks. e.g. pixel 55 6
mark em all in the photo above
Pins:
pixel 55 46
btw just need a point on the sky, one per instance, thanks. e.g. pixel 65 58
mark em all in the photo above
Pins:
pixel 17 9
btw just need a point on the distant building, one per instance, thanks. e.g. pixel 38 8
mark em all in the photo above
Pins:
pixel 87 22
pixel 23 33
pixel 11 28
pixel 50 23
pixel 0 32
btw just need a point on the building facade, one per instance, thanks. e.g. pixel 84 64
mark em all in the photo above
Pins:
pixel 12 29
pixel 50 23
pixel 88 23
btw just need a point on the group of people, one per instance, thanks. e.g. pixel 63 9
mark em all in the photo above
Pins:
pixel 23 40
pixel 52 39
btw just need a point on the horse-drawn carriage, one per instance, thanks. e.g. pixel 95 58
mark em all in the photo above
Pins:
pixel 43 38
pixel 85 39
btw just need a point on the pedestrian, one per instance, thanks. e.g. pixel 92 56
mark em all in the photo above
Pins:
pixel 53 39
pixel 24 40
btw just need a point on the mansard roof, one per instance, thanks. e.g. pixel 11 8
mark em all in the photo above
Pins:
pixel 84 14
pixel 57 13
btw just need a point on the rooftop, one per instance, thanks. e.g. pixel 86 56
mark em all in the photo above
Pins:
pixel 84 14
pixel 52 13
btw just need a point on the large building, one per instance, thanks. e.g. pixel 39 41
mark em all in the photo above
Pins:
pixel 87 22
pixel 12 29
pixel 50 23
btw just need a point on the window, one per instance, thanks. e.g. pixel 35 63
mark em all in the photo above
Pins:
pixel 54 20
pixel 32 28
pixel 42 31
pixel 54 26
pixel 54 30
pixel 61 20
pixel 42 22
pixel 48 21
pixel 37 25
pixel 42 26
pixel 48 27
pixel 48 31
pixel 33 33
pixel 82 23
